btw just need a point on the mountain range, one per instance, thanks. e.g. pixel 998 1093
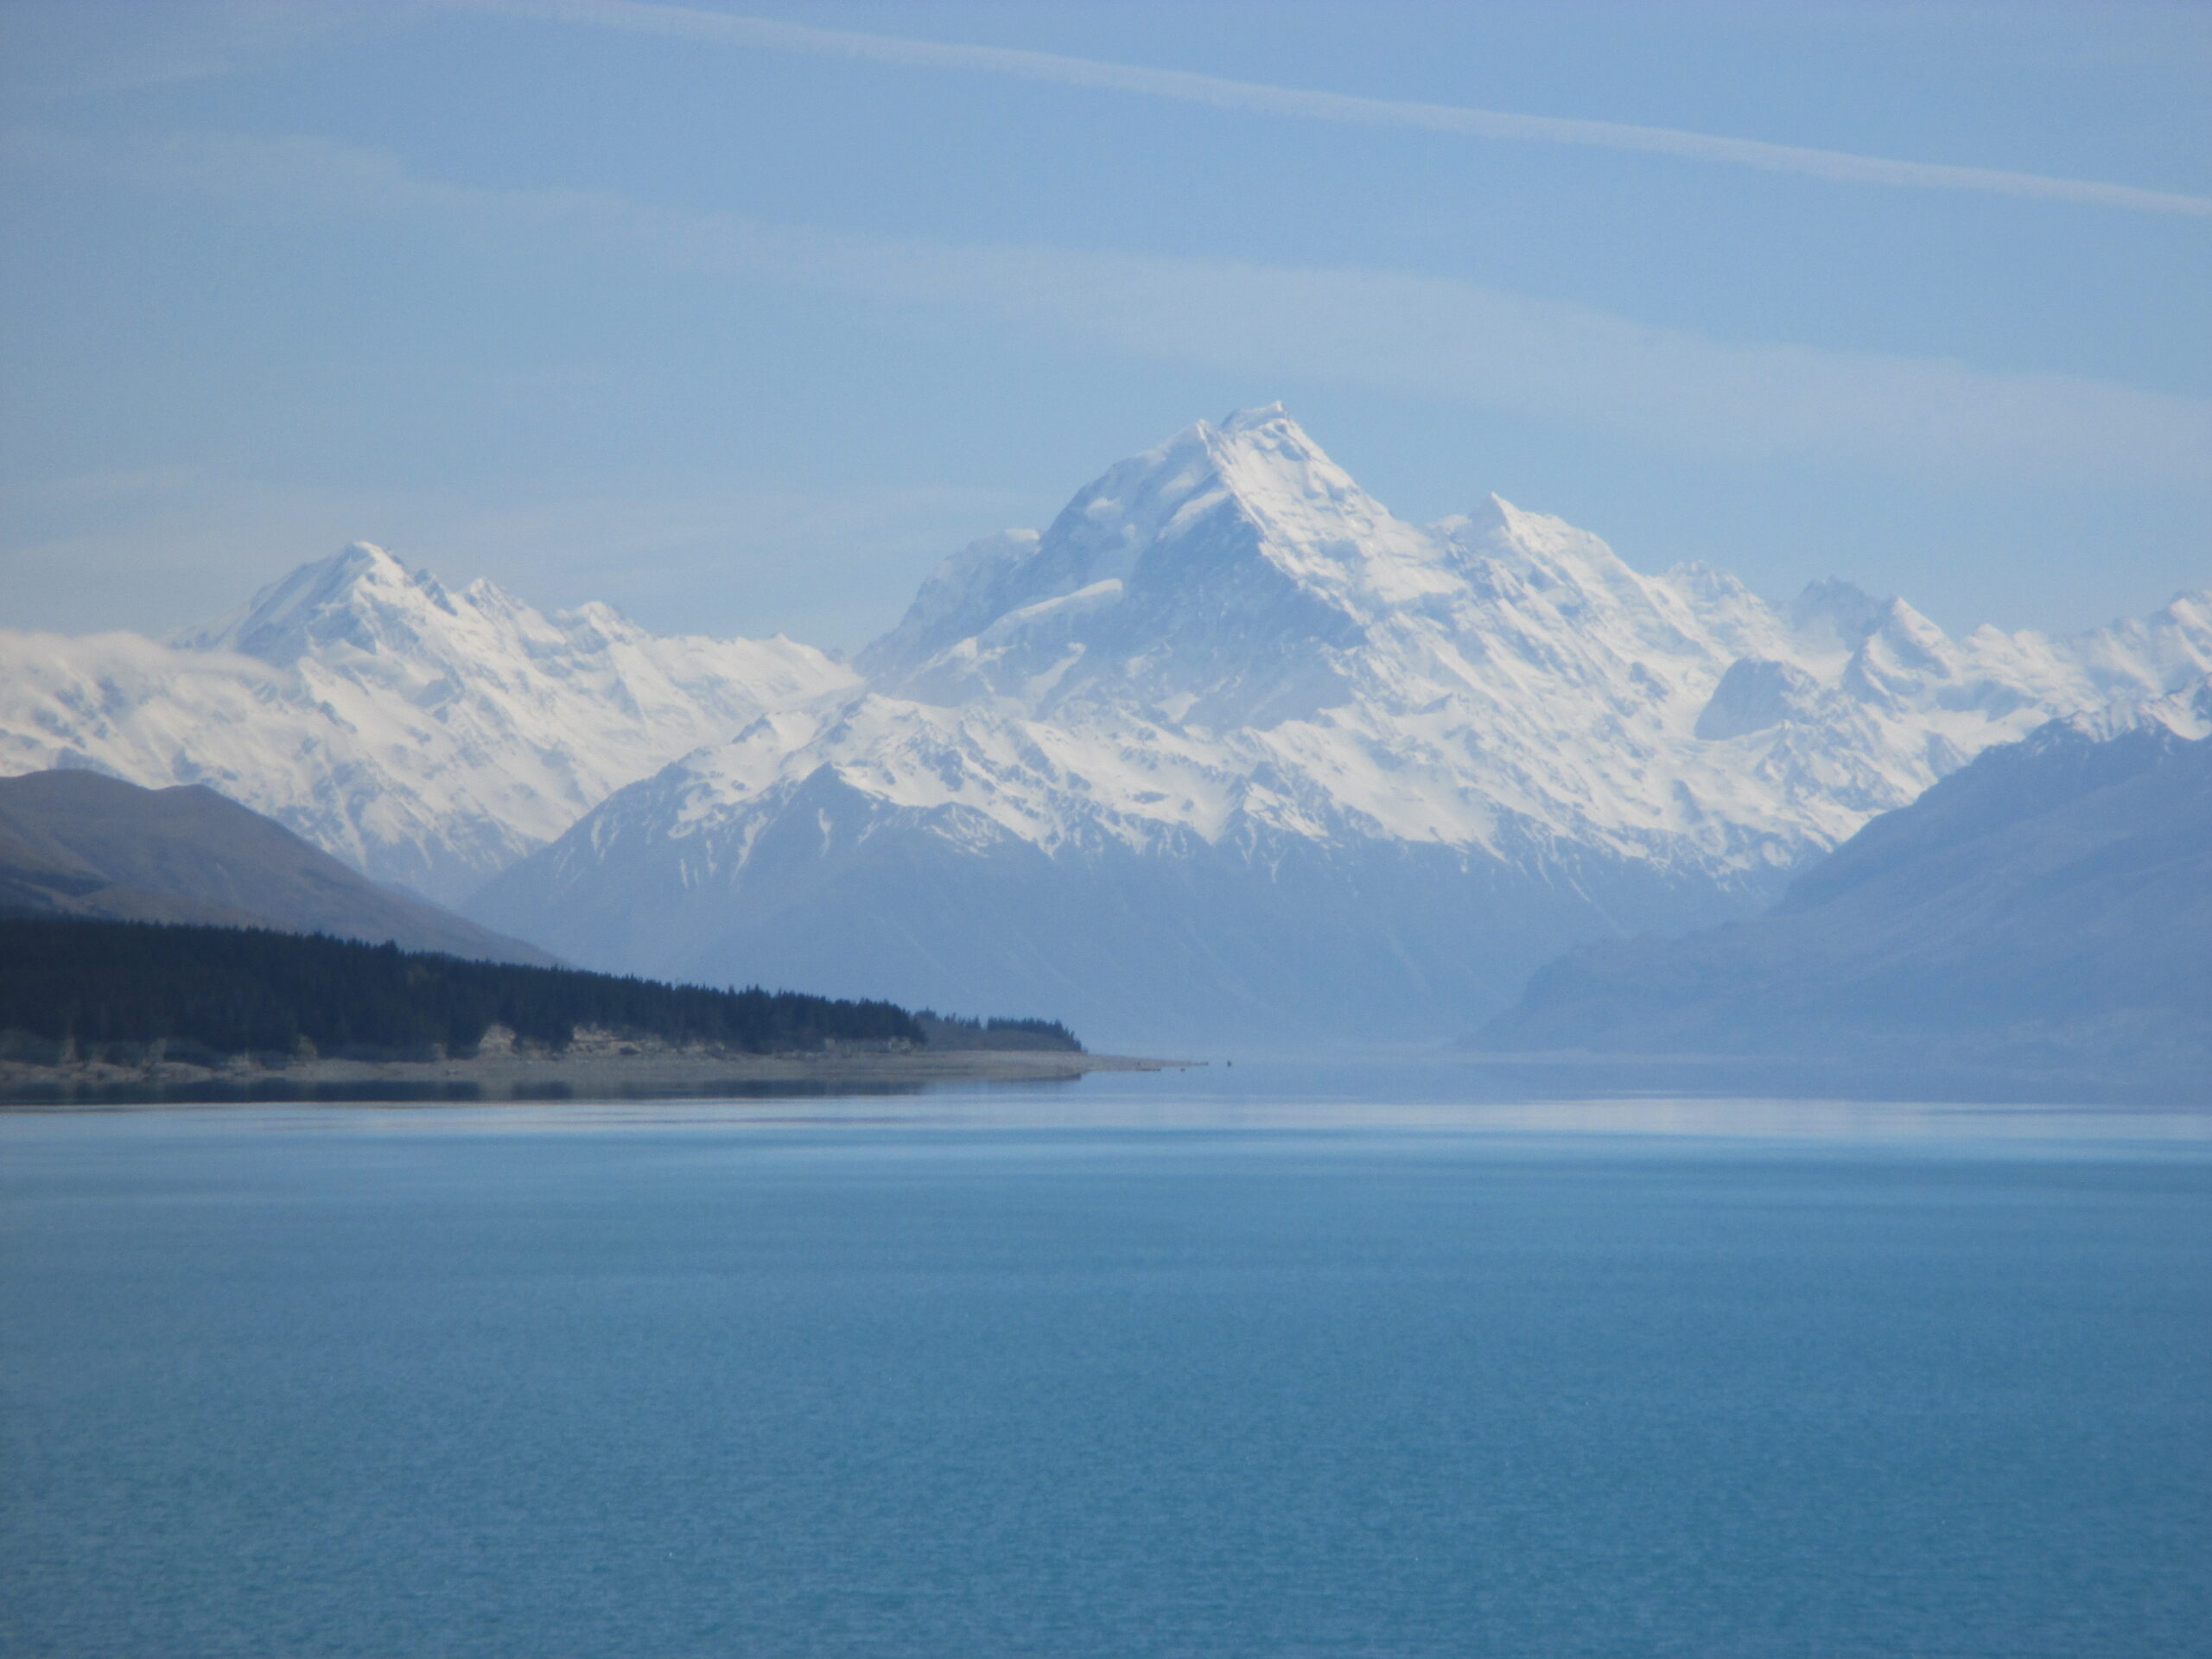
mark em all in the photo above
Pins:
pixel 1228 750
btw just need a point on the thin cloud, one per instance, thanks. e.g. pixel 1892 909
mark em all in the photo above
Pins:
pixel 173 44
pixel 1568 364
pixel 687 23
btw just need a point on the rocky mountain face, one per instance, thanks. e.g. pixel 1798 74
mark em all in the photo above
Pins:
pixel 427 737
pixel 2049 903
pixel 1230 751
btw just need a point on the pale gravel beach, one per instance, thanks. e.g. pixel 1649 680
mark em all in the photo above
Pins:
pixel 642 1071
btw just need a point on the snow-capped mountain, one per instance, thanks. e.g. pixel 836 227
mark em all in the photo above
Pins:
pixel 1229 748
pixel 430 738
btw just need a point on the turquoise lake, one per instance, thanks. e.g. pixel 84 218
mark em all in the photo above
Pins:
pixel 1275 1361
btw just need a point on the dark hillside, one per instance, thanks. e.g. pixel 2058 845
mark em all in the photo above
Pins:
pixel 81 844
pixel 2049 902
pixel 112 988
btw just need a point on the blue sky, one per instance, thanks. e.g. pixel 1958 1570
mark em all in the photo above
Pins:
pixel 741 328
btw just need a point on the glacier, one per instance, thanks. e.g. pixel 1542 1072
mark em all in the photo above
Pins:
pixel 1230 751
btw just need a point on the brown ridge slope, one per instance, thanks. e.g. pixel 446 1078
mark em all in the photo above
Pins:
pixel 78 844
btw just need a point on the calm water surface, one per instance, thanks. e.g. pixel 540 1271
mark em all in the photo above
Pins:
pixel 1274 1362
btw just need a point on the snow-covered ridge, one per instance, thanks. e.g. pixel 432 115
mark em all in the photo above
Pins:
pixel 1227 629
pixel 428 737
pixel 2186 712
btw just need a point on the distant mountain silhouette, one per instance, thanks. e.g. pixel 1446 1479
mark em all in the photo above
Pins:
pixel 80 844
pixel 2049 902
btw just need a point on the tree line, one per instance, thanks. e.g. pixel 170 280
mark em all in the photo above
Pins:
pixel 111 989
pixel 954 1031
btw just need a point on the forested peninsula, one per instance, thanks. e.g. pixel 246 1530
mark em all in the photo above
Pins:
pixel 98 1001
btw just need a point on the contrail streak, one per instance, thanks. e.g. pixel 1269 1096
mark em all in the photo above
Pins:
pixel 690 23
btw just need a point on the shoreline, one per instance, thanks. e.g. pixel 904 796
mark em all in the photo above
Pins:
pixel 665 1075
